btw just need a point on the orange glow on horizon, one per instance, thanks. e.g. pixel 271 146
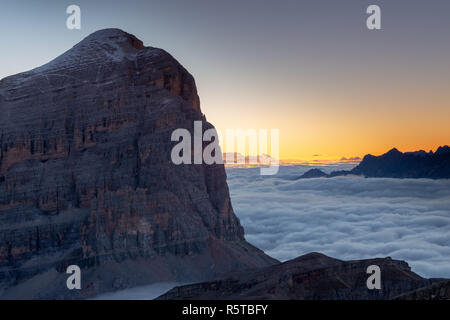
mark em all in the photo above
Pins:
pixel 329 128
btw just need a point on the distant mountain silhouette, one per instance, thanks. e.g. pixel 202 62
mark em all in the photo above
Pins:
pixel 313 173
pixel 395 164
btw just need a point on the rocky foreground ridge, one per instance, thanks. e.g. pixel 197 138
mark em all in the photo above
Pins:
pixel 315 276
pixel 86 176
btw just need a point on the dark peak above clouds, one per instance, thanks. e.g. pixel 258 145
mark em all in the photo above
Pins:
pixel 443 150
pixel 395 164
pixel 314 173
pixel 391 153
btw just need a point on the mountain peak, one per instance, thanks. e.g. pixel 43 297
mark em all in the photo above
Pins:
pixel 100 47
pixel 114 35
pixel 442 150
pixel 393 151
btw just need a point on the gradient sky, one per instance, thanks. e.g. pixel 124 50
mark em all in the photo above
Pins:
pixel 310 68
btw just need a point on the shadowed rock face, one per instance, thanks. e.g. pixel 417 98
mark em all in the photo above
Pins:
pixel 312 276
pixel 86 176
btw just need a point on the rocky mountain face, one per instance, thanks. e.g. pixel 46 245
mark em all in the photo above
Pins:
pixel 395 164
pixel 86 176
pixel 310 277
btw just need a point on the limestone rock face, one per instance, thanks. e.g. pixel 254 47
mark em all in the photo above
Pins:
pixel 86 176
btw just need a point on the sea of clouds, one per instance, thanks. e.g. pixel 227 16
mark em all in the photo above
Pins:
pixel 345 217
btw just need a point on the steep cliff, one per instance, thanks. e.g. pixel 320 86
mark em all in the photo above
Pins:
pixel 86 176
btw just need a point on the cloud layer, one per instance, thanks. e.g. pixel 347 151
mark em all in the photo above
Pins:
pixel 346 217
